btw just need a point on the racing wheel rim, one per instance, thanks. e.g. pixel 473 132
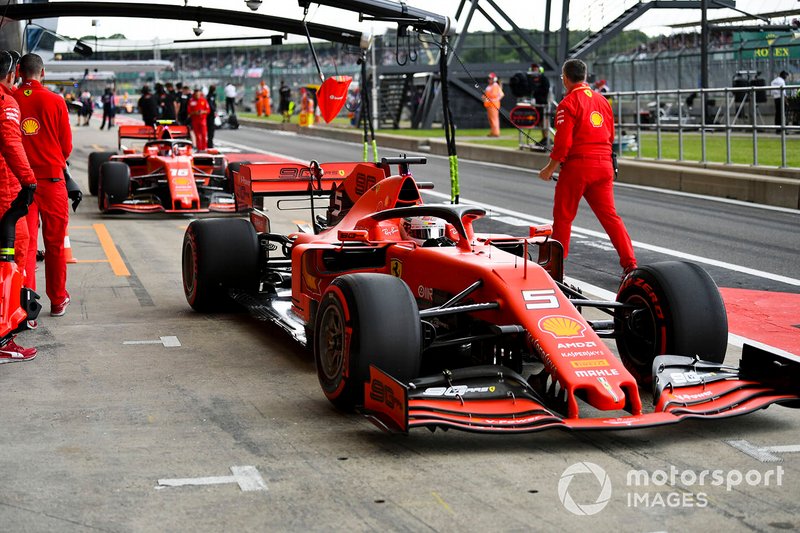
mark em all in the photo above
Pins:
pixel 331 345
pixel 643 339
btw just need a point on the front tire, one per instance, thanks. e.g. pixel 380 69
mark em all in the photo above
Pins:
pixel 96 160
pixel 679 312
pixel 115 184
pixel 218 254
pixel 365 319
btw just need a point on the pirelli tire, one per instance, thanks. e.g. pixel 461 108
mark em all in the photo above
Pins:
pixel 365 319
pixel 218 254
pixel 96 159
pixel 678 310
pixel 115 184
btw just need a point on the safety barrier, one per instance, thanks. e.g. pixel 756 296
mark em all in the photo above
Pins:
pixel 729 111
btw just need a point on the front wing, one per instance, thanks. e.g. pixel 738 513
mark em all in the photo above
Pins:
pixel 494 399
pixel 136 206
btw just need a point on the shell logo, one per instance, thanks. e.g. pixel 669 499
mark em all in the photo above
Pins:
pixel 30 126
pixel 596 119
pixel 561 327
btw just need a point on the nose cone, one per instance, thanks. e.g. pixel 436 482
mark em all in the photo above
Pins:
pixel 605 395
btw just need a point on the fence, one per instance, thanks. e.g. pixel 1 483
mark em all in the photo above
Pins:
pixel 681 68
pixel 732 111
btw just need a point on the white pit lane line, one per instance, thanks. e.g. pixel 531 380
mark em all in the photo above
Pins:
pixel 257 150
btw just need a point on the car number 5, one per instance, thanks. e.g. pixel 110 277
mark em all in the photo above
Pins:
pixel 540 299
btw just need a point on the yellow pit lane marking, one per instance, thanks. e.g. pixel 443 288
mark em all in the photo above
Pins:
pixel 110 249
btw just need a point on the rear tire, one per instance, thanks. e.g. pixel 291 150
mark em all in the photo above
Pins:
pixel 379 314
pixel 115 184
pixel 96 159
pixel 218 254
pixel 680 313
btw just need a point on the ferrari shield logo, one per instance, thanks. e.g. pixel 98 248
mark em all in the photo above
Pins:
pixel 396 268
pixel 27 92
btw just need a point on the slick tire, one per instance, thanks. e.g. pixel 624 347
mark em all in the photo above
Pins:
pixel 96 159
pixel 218 254
pixel 679 311
pixel 379 315
pixel 115 184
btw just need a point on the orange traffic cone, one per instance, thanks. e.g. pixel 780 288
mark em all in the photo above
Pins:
pixel 68 250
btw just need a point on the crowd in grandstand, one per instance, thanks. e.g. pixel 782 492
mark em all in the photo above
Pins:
pixel 680 41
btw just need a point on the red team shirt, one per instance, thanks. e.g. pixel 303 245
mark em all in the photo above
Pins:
pixel 14 167
pixel 46 133
pixel 198 108
pixel 584 125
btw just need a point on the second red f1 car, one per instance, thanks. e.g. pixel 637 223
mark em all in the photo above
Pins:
pixel 165 175
pixel 419 321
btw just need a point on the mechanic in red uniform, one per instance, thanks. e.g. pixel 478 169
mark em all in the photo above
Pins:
pixel 582 146
pixel 47 138
pixel 199 109
pixel 15 173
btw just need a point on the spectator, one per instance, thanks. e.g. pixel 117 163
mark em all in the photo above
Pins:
pixel 492 97
pixel 109 100
pixel 15 173
pixel 87 107
pixel 212 114
pixel 583 148
pixel 148 107
pixel 182 105
pixel 47 146
pixel 158 94
pixel 778 94
pixel 230 99
pixel 168 102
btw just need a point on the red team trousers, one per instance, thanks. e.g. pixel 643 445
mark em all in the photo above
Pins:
pixel 51 204
pixel 200 129
pixel 591 177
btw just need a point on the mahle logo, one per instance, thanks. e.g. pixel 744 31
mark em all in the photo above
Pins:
pixel 600 477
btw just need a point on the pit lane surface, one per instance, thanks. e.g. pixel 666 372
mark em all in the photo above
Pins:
pixel 111 405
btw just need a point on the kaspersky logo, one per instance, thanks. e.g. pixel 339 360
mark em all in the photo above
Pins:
pixel 30 126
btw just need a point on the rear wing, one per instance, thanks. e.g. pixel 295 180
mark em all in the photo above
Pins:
pixel 257 180
pixel 162 130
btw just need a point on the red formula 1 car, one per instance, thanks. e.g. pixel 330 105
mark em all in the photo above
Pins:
pixel 417 320
pixel 165 175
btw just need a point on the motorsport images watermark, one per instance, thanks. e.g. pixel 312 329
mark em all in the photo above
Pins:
pixel 585 488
